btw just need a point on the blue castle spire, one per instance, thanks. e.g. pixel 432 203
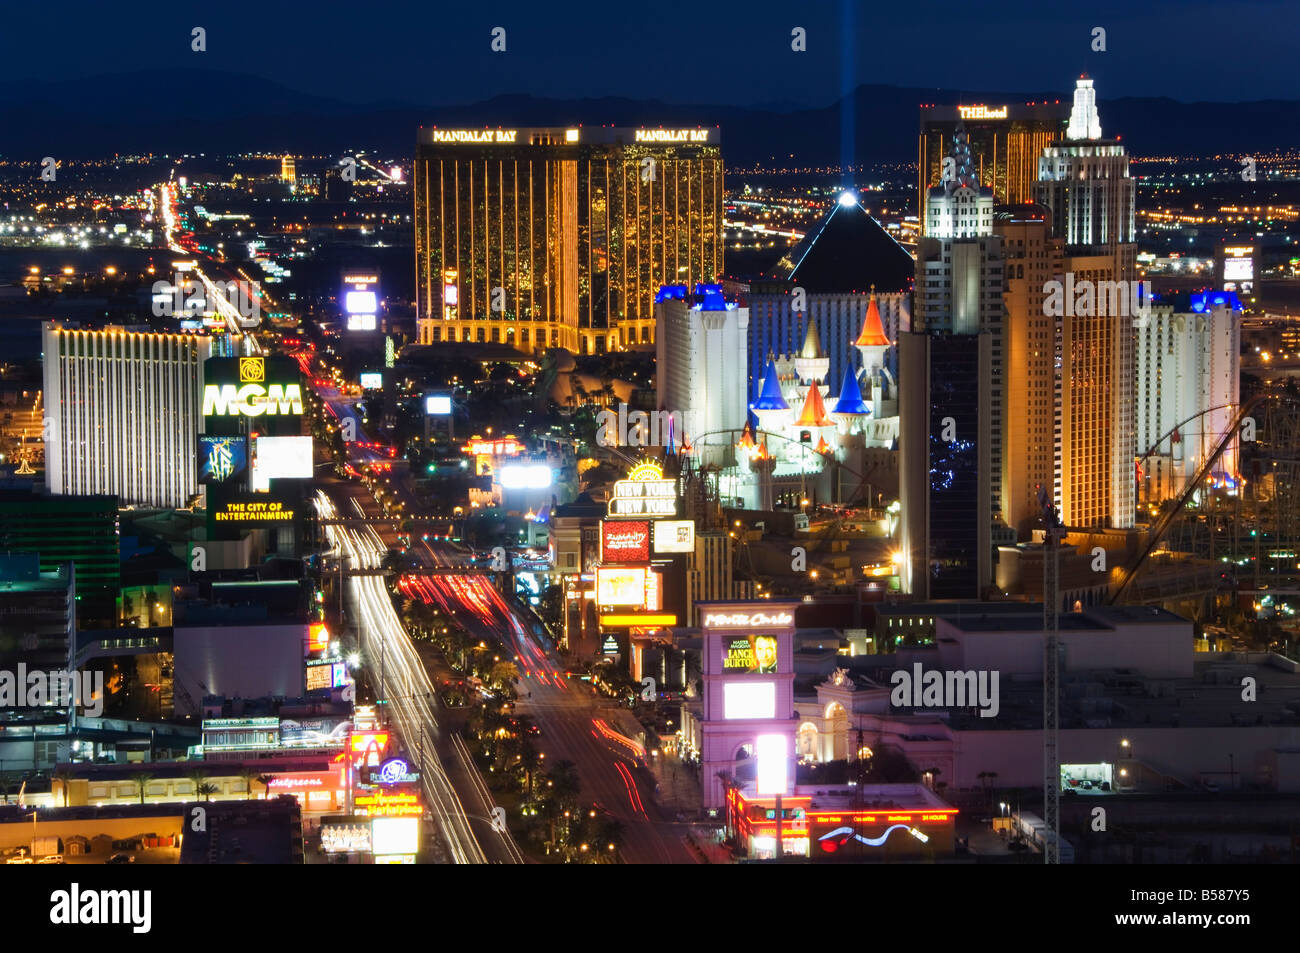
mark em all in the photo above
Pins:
pixel 769 398
pixel 851 401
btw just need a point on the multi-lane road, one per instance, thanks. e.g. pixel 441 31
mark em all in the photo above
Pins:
pixel 409 698
pixel 576 726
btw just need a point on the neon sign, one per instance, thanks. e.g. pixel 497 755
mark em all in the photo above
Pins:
pixel 672 135
pixel 474 135
pixel 251 400
pixel 738 620
pixel 982 112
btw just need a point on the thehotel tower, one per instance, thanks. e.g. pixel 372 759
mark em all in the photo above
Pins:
pixel 951 390
pixel 1084 182
pixel 1006 141
pixel 560 237
pixel 125 411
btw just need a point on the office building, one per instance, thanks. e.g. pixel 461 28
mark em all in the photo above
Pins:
pixel 700 369
pixel 38 621
pixel 82 530
pixel 125 412
pixel 1084 183
pixel 1188 362
pixel 950 394
pixel 1006 141
pixel 561 237
pixel 1031 439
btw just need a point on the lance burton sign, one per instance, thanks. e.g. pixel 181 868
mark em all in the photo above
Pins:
pixel 747 620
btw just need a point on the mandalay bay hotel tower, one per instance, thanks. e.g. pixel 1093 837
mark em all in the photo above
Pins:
pixel 560 237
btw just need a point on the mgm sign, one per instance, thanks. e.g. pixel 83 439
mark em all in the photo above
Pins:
pixel 253 395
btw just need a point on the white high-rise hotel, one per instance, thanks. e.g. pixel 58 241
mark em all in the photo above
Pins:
pixel 1084 181
pixel 125 410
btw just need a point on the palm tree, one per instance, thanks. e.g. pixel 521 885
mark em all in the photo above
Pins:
pixel 197 776
pixel 265 780
pixel 248 776
pixel 207 790
pixel 142 779
pixel 63 774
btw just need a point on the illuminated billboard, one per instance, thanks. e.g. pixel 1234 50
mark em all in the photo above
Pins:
pixel 505 447
pixel 773 754
pixel 361 322
pixel 748 700
pixel 388 804
pixel 342 835
pixel 745 654
pixel 437 405
pixel 251 387
pixel 620 587
pixel 845 834
pixel 524 476
pixel 644 493
pixel 372 380
pixel 325 674
pixel 1238 269
pixel 360 302
pixel 623 541
pixel 674 536
pixel 222 459
pixel 281 458
pixel 253 510
pixel 314 732
pixel 394 836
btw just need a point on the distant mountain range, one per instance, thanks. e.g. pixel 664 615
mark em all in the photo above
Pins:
pixel 190 111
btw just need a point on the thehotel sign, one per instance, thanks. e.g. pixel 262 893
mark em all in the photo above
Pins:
pixel 474 135
pixel 672 135
pixel 982 112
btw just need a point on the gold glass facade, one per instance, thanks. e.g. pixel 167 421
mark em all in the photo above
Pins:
pixel 545 237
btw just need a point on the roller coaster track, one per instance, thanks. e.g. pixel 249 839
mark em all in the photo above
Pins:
pixel 1170 513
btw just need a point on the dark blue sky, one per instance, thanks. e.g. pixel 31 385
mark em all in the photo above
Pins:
pixel 681 51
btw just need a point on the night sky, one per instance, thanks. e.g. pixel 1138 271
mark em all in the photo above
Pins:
pixel 681 51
